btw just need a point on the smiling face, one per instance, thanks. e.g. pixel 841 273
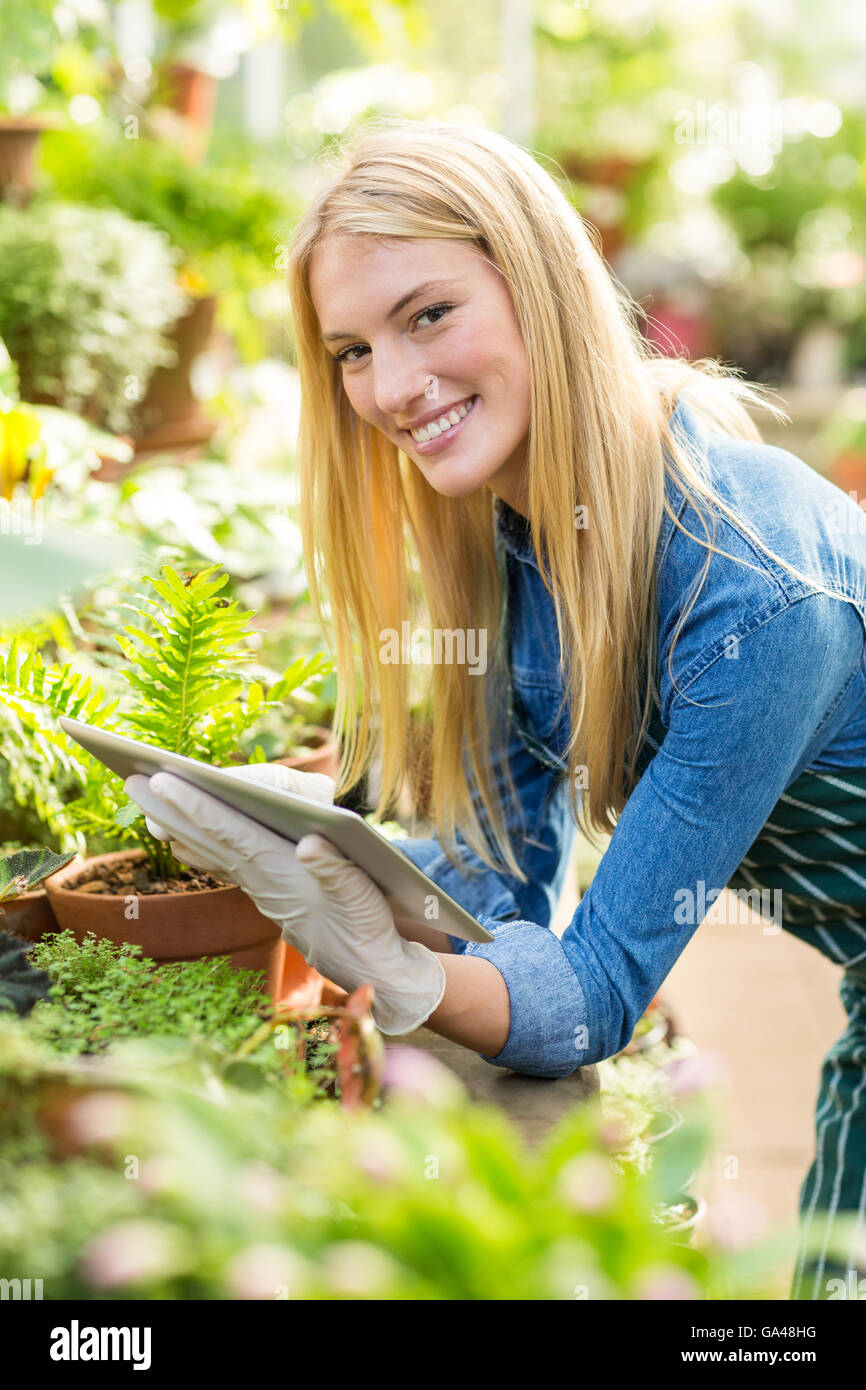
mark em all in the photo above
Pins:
pixel 427 339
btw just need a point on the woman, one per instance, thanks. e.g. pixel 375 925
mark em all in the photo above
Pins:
pixel 488 443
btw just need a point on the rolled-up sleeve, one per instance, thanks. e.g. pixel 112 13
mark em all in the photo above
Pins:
pixel 549 1028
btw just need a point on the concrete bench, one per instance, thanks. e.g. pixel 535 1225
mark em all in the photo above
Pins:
pixel 533 1104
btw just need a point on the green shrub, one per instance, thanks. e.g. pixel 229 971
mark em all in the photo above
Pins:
pixel 102 993
pixel 86 295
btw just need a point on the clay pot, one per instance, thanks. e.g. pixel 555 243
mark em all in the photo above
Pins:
pixel 187 926
pixel 18 141
pixel 848 472
pixel 170 415
pixel 29 917
pixel 323 755
pixel 192 94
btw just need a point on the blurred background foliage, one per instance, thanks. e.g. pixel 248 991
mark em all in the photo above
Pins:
pixel 154 158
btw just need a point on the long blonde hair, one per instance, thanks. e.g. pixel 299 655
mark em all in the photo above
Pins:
pixel 386 547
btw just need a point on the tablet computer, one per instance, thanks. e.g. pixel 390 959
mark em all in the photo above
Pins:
pixel 406 888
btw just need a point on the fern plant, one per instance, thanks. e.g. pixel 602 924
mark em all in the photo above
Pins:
pixel 184 684
pixel 187 689
pixel 41 763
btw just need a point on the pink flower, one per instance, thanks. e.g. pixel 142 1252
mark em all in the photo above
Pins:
pixel 265 1271
pixel 98 1118
pixel 158 1173
pixel 587 1183
pixel 357 1268
pixel 414 1074
pixel 379 1156
pixel 666 1282
pixel 261 1187
pixel 130 1252
pixel 735 1220
pixel 697 1072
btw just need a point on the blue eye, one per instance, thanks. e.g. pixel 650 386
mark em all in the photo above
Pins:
pixel 422 313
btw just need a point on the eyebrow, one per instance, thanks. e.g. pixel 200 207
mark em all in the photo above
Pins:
pixel 426 288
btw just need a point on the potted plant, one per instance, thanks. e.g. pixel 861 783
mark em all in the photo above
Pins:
pixel 227 223
pixel 86 295
pixel 185 680
pixel 170 415
pixel 29 32
pixel 289 731
pixel 654 1026
pixel 191 57
pixel 25 911
pixel 38 441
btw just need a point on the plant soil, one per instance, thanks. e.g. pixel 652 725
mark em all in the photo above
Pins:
pixel 129 876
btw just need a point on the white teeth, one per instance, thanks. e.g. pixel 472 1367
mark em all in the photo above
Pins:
pixel 445 422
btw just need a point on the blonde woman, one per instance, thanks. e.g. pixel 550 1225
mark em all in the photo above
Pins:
pixel 672 617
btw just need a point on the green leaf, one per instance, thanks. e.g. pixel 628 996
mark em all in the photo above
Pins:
pixel 27 867
pixel 128 813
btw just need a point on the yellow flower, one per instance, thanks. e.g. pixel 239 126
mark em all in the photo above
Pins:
pixel 19 431
pixel 192 281
pixel 39 481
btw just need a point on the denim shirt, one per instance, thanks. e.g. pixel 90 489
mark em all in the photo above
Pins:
pixel 771 678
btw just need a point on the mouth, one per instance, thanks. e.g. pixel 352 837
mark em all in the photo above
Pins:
pixel 439 433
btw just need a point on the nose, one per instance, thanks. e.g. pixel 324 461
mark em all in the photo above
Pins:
pixel 399 386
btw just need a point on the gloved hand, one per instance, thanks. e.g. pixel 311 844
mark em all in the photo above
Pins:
pixel 313 784
pixel 326 907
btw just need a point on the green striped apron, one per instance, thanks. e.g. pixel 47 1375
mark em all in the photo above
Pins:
pixel 811 851
pixel 811 857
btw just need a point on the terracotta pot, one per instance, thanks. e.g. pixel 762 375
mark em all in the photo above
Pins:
pixel 18 142
pixel 170 414
pixel 848 471
pixel 323 755
pixel 192 94
pixel 29 917
pixel 187 926
pixel 610 170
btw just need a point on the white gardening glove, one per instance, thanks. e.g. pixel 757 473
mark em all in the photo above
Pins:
pixel 326 907
pixel 313 784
